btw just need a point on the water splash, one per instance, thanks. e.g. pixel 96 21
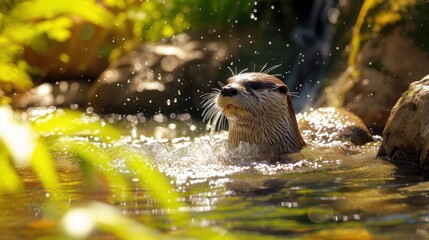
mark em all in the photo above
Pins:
pixel 190 157
pixel 208 158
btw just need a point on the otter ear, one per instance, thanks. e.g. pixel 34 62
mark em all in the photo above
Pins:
pixel 283 89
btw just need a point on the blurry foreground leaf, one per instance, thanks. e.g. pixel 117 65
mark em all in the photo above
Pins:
pixel 94 157
pixel 89 10
pixel 81 222
pixel 43 165
pixel 19 145
pixel 13 78
pixel 156 183
pixel 17 137
pixel 73 124
pixel 65 126
pixel 9 179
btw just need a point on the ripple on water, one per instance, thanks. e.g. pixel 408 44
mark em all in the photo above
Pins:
pixel 208 158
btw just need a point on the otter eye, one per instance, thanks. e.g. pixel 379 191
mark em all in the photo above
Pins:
pixel 283 89
pixel 255 86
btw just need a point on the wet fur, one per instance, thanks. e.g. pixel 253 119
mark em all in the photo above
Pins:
pixel 270 118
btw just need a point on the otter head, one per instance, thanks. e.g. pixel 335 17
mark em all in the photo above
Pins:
pixel 259 110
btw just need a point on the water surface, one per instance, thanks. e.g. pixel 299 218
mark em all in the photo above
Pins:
pixel 338 191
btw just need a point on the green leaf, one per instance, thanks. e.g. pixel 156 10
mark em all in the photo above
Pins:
pixel 43 165
pixel 12 77
pixel 97 158
pixel 73 123
pixel 79 223
pixel 157 184
pixel 89 10
pixel 9 180
pixel 56 29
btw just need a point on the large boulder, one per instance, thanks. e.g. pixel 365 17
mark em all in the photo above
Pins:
pixel 386 64
pixel 406 136
pixel 372 97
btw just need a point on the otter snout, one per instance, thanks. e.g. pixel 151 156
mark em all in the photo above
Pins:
pixel 228 91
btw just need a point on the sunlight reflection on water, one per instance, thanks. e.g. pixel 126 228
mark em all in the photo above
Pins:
pixel 326 184
pixel 184 152
pixel 190 161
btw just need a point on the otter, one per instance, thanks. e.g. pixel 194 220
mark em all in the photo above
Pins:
pixel 259 110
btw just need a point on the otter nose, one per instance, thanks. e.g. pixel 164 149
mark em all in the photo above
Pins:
pixel 228 91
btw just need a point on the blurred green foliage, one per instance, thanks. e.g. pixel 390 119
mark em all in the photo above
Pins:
pixel 40 25
pixel 28 144
pixel 20 147
pixel 23 23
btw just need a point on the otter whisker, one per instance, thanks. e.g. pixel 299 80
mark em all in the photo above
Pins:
pixel 270 69
pixel 217 122
pixel 215 92
pixel 212 114
pixel 263 67
pixel 221 122
pixel 208 104
pixel 293 94
pixel 243 71
pixel 232 72
pixel 221 84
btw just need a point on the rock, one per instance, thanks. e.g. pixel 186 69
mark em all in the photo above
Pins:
pixel 82 56
pixel 66 93
pixel 388 52
pixel 325 125
pixel 386 64
pixel 384 76
pixel 406 135
pixel 159 77
pixel 372 97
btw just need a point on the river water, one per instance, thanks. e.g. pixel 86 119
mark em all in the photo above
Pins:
pixel 338 191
